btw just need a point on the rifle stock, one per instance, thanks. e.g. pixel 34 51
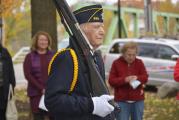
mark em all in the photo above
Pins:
pixel 69 21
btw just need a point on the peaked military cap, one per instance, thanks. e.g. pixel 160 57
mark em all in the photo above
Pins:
pixel 92 13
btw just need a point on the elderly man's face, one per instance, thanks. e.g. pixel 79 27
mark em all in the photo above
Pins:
pixel 94 32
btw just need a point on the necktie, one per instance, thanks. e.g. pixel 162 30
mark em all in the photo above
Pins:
pixel 95 57
pixel 99 63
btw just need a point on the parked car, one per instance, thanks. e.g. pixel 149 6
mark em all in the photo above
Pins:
pixel 158 55
pixel 63 44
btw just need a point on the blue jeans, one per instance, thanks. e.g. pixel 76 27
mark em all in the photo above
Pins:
pixel 131 110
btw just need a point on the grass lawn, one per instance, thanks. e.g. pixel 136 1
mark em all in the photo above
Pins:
pixel 160 109
pixel 155 108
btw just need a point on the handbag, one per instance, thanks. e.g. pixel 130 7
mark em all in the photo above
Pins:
pixel 11 111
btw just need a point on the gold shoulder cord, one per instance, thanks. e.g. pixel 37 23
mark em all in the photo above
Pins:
pixel 75 71
pixel 75 64
pixel 53 58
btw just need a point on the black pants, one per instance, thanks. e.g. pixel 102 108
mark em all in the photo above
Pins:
pixel 40 116
pixel 2 114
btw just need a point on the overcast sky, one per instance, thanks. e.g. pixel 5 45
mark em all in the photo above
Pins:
pixel 175 1
pixel 71 2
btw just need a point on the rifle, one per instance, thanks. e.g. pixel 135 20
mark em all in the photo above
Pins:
pixel 72 27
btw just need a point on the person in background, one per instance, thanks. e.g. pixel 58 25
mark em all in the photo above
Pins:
pixel 176 75
pixel 7 78
pixel 36 71
pixel 128 76
pixel 69 94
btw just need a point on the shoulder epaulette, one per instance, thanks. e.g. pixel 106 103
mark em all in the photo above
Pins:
pixel 75 64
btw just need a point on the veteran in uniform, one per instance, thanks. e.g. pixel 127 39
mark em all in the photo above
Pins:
pixel 68 93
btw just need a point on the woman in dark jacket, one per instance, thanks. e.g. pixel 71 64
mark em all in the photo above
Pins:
pixel 6 78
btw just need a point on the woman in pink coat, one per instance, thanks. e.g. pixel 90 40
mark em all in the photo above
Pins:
pixel 176 75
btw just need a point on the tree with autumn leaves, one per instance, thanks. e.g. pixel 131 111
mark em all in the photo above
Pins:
pixel 15 23
pixel 23 18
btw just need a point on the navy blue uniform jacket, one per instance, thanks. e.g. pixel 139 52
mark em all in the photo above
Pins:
pixel 63 105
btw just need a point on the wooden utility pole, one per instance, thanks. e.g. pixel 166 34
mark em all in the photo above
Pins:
pixel 43 14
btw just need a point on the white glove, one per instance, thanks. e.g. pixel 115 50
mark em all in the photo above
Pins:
pixel 42 103
pixel 101 106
